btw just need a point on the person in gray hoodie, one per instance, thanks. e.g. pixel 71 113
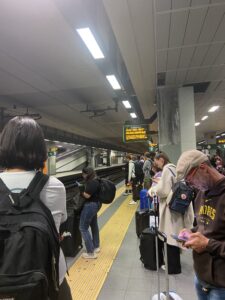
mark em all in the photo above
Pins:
pixel 147 167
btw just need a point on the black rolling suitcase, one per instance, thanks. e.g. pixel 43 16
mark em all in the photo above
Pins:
pixel 72 241
pixel 148 249
pixel 142 220
pixel 147 241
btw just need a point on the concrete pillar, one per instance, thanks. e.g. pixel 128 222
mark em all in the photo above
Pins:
pixel 168 122
pixel 176 119
pixel 51 162
pixel 187 118
pixel 93 165
pixel 108 157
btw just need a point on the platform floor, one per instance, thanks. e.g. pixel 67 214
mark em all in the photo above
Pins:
pixel 118 272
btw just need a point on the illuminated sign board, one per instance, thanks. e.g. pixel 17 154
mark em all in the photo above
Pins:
pixel 221 141
pixel 135 133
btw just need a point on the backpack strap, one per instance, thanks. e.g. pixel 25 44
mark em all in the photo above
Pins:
pixel 26 196
pixel 172 172
pixel 3 187
pixel 37 184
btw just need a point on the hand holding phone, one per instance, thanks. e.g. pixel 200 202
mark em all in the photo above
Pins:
pixel 179 239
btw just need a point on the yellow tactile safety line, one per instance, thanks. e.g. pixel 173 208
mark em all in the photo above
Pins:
pixel 105 206
pixel 87 276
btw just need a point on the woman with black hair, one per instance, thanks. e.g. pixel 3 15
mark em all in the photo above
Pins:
pixel 23 153
pixel 89 212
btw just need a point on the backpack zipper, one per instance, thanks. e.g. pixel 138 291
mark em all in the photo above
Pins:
pixel 54 276
pixel 11 199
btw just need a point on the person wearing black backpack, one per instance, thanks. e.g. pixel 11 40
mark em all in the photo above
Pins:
pixel 88 217
pixel 32 206
pixel 136 179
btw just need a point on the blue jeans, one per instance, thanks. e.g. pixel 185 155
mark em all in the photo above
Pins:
pixel 213 293
pixel 88 218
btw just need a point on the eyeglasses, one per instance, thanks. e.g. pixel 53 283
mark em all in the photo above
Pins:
pixel 190 175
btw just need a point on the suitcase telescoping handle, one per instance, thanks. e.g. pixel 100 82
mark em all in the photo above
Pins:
pixel 163 237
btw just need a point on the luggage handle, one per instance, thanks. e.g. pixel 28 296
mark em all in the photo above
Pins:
pixel 162 235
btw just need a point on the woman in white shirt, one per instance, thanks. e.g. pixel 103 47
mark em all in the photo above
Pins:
pixel 22 153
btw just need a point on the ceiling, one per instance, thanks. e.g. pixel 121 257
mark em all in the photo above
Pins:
pixel 45 66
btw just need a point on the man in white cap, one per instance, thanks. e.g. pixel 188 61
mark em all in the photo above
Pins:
pixel 207 239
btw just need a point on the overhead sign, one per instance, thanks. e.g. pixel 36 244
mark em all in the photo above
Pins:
pixel 135 133
pixel 221 141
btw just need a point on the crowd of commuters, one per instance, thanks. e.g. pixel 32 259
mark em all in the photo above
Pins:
pixel 204 235
pixel 22 159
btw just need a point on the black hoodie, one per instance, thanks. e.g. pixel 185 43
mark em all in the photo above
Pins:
pixel 210 212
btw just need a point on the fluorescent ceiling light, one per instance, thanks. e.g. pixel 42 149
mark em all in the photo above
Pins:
pixel 213 108
pixel 223 134
pixel 204 118
pixel 90 42
pixel 47 140
pixel 197 124
pixel 217 136
pixel 126 103
pixel 133 115
pixel 56 141
pixel 113 81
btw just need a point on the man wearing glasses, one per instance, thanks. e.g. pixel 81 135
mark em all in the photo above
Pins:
pixel 207 239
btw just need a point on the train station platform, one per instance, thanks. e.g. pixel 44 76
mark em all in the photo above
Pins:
pixel 118 273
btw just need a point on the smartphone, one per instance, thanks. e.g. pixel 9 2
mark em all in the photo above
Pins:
pixel 179 239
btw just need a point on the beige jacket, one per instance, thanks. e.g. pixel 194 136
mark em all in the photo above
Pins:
pixel 170 222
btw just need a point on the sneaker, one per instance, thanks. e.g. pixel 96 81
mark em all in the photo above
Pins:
pixel 132 202
pixel 125 194
pixel 86 255
pixel 97 250
pixel 163 267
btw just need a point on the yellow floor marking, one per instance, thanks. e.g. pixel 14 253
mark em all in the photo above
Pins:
pixel 87 276
pixel 105 206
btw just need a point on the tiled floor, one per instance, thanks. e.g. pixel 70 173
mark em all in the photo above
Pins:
pixel 128 279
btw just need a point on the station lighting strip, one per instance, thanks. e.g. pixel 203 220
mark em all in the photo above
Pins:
pixel 212 109
pixel 92 45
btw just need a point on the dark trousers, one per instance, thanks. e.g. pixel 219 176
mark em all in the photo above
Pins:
pixel 174 266
pixel 136 188
pixel 64 291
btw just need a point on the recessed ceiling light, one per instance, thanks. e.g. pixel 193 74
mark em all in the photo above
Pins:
pixel 197 123
pixel 126 103
pixel 133 115
pixel 213 108
pixel 223 134
pixel 90 42
pixel 47 140
pixel 113 81
pixel 204 118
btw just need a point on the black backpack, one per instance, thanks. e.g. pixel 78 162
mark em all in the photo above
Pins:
pixel 182 196
pixel 138 169
pixel 29 244
pixel 107 191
